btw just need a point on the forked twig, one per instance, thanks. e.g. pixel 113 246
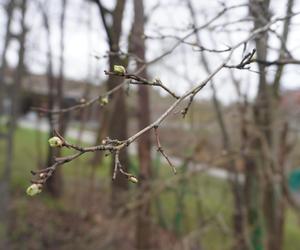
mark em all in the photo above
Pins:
pixel 160 149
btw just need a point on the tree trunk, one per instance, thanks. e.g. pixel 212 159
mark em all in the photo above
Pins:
pixel 238 213
pixel 5 175
pixel 14 108
pixel 54 185
pixel 9 11
pixel 118 130
pixel 118 119
pixel 62 120
pixel 264 181
pixel 143 229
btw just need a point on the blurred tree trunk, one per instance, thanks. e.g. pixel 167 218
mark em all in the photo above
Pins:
pixel 85 114
pixel 13 95
pixel 264 190
pixel 283 148
pixel 238 214
pixel 54 184
pixel 63 119
pixel 9 10
pixel 137 44
pixel 7 140
pixel 112 22
pixel 5 168
pixel 256 162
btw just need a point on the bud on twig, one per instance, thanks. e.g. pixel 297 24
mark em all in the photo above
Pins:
pixel 156 79
pixel 42 175
pixel 103 100
pixel 119 70
pixel 55 142
pixel 133 179
pixel 34 189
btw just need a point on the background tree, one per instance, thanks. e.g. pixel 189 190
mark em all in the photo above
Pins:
pixel 265 212
pixel 13 94
pixel 238 214
pixel 137 44
pixel 54 186
pixel 118 118
pixel 231 190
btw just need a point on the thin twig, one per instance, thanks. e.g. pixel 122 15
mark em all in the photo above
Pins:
pixel 160 149
pixel 81 105
pixel 135 79
pixel 114 146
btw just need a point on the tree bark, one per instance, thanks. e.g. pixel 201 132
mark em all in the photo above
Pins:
pixel 240 243
pixel 14 108
pixel 5 175
pixel 9 10
pixel 118 120
pixel 54 185
pixel 62 120
pixel 264 181
pixel 143 229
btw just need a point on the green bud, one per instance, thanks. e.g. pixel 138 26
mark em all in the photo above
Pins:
pixel 103 100
pixel 133 179
pixel 34 189
pixel 119 70
pixel 55 142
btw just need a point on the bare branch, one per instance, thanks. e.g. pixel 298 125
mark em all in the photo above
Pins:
pixel 140 80
pixel 81 105
pixel 160 149
pixel 115 146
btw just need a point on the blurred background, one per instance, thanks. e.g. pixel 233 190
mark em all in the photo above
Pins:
pixel 234 145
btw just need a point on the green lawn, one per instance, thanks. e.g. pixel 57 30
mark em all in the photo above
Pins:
pixel 183 206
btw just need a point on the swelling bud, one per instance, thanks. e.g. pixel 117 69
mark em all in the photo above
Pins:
pixel 103 101
pixel 55 142
pixel 133 179
pixel 34 189
pixel 119 70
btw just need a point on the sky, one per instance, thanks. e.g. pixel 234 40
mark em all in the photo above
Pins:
pixel 85 43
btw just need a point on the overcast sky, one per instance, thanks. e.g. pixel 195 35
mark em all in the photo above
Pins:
pixel 85 41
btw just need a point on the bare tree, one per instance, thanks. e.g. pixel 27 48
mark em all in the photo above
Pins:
pixel 118 119
pixel 238 214
pixel 264 188
pixel 56 97
pixel 9 10
pixel 13 95
pixel 60 81
pixel 6 175
pixel 137 43
pixel 54 186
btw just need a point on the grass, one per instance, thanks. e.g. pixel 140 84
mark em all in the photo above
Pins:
pixel 204 202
